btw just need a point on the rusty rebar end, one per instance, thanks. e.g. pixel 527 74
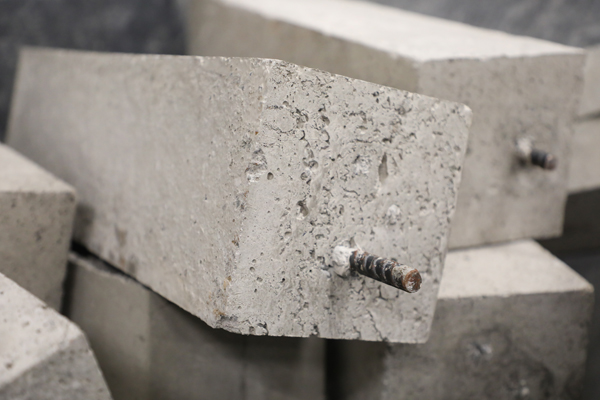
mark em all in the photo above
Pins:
pixel 406 278
pixel 412 281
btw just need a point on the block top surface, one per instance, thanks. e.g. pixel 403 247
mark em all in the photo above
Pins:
pixel 18 174
pixel 522 267
pixel 30 331
pixel 420 37
pixel 224 184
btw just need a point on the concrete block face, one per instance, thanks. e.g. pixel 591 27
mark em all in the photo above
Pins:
pixel 225 184
pixel 511 322
pixel 42 354
pixel 584 171
pixel 36 220
pixel 517 88
pixel 590 98
pixel 148 348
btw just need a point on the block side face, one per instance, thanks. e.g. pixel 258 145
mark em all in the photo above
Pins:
pixel 156 357
pixel 113 311
pixel 500 198
pixel 379 170
pixel 590 98
pixel 35 239
pixel 585 163
pixel 500 346
pixel 273 36
pixel 71 373
pixel 423 38
pixel 157 155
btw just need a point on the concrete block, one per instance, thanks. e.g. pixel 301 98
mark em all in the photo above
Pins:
pixel 36 220
pixel 584 171
pixel 42 354
pixel 225 184
pixel 517 88
pixel 511 323
pixel 149 348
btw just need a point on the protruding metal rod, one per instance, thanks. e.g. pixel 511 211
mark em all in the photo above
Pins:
pixel 534 156
pixel 387 271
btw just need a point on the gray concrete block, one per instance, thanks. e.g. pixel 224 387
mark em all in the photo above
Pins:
pixel 225 184
pixel 148 348
pixel 36 220
pixel 42 354
pixel 517 87
pixel 584 171
pixel 511 323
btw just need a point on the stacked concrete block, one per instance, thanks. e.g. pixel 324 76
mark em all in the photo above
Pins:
pixel 519 88
pixel 511 323
pixel 42 354
pixel 225 184
pixel 148 348
pixel 36 219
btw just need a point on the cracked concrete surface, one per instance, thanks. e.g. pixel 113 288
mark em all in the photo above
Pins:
pixel 42 354
pixel 224 184
pixel 516 86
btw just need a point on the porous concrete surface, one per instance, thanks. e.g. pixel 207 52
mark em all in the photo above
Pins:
pixel 590 98
pixel 36 220
pixel 133 26
pixel 42 354
pixel 511 323
pixel 516 86
pixel 225 184
pixel 148 348
pixel 584 171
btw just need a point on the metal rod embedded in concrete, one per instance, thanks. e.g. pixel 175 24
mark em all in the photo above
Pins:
pixel 383 270
pixel 534 156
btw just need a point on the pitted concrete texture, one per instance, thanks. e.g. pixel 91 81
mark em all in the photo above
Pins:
pixel 148 348
pixel 584 171
pixel 511 323
pixel 36 220
pixel 517 87
pixel 225 184
pixel 42 354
